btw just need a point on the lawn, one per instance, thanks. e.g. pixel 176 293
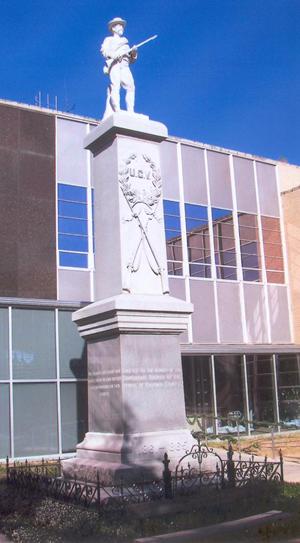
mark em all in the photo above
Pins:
pixel 31 518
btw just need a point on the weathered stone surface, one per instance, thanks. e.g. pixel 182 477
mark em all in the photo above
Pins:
pixel 136 399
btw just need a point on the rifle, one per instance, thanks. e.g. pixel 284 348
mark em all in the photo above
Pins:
pixel 111 61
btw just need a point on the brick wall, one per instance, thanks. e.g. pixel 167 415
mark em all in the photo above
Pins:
pixel 27 200
pixel 291 212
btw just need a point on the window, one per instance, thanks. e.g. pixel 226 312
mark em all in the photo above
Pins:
pixel 230 390
pixel 35 419
pixel 42 341
pixel 224 243
pixel 198 387
pixel 173 237
pixel 288 379
pixel 73 414
pixel 198 240
pixel 272 249
pixel 261 389
pixel 73 241
pixel 33 344
pixel 250 247
pixel 4 421
pixel 72 348
pixel 4 367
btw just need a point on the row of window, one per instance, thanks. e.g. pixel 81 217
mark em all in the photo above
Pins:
pixel 220 239
pixel 41 345
pixel 35 418
pixel 50 419
pixel 257 398
pixel 76 242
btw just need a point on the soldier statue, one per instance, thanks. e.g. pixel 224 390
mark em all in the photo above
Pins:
pixel 118 56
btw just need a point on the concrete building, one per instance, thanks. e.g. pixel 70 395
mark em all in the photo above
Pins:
pixel 232 247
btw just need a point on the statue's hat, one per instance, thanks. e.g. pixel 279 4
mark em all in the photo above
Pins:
pixel 116 21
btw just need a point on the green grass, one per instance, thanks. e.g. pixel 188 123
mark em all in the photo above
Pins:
pixel 31 518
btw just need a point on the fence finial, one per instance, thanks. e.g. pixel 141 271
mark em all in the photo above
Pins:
pixel 7 469
pixel 167 477
pixel 281 465
pixel 230 452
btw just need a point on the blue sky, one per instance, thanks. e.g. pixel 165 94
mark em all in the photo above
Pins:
pixel 224 72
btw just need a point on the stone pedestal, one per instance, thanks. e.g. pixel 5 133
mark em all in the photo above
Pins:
pixel 135 394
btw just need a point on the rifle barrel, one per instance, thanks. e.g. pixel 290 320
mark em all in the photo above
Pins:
pixel 146 41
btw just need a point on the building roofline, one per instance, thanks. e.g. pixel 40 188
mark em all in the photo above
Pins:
pixel 49 111
pixel 174 139
pixel 224 150
pixel 290 190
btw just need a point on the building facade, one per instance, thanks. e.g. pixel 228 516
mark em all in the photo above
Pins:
pixel 232 250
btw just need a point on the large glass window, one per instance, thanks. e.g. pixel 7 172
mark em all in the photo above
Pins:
pixel 4 365
pixel 230 391
pixel 250 247
pixel 73 243
pixel 224 243
pixel 35 419
pixel 4 421
pixel 33 344
pixel 74 417
pixel 198 389
pixel 198 240
pixel 72 348
pixel 288 381
pixel 261 390
pixel 173 237
pixel 272 249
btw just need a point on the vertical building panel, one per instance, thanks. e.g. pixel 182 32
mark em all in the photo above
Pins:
pixel 194 175
pixel 244 185
pixel 219 179
pixel 256 318
pixel 279 314
pixel 267 189
pixel 204 317
pixel 229 308
pixel 177 289
pixel 71 156
pixel 74 285
pixel 169 170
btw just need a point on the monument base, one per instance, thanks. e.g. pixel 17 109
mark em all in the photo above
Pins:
pixel 135 388
pixel 130 457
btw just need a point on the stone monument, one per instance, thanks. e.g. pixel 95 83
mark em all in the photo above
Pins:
pixel 135 385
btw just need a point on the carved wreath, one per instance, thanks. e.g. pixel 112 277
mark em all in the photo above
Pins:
pixel 135 195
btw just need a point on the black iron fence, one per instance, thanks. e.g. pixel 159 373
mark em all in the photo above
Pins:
pixel 199 468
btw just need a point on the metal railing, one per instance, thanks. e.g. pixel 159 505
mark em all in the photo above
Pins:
pixel 210 426
pixel 199 468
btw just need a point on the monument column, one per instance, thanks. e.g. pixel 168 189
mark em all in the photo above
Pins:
pixel 135 386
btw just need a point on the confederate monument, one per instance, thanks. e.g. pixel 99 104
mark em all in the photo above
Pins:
pixel 135 386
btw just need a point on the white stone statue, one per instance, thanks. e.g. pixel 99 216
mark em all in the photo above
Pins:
pixel 118 56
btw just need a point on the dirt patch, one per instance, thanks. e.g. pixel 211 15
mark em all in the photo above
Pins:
pixel 289 443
